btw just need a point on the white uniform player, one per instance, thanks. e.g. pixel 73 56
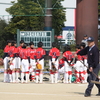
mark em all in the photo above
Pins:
pixel 83 45
pixel 32 55
pixel 12 62
pixel 79 67
pixel 25 63
pixel 40 53
pixel 60 68
pixel 18 70
pixel 85 69
pixel 54 54
pixel 6 59
pixel 68 56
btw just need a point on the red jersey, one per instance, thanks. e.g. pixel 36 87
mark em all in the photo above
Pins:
pixel 11 51
pixel 19 48
pixel 6 49
pixel 84 57
pixel 68 55
pixel 54 52
pixel 40 52
pixel 61 63
pixel 20 52
pixel 16 50
pixel 78 56
pixel 23 53
pixel 31 53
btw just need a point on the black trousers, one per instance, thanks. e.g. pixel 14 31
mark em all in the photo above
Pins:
pixel 92 77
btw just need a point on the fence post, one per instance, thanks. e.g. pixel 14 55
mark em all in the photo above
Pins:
pixel 52 36
pixel 18 37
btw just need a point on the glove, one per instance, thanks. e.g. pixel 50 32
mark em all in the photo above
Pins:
pixel 38 66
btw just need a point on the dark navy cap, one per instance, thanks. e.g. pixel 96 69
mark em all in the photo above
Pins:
pixel 85 35
pixel 90 39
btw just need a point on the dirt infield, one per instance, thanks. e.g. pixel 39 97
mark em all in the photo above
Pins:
pixel 45 91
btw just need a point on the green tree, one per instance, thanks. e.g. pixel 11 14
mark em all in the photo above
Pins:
pixel 29 22
pixel 24 18
pixel 99 7
pixel 58 17
pixel 58 14
pixel 4 36
pixel 3 24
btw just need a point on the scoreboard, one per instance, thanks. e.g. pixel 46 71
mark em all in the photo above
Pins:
pixel 47 37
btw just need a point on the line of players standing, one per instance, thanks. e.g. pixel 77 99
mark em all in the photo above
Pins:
pixel 23 60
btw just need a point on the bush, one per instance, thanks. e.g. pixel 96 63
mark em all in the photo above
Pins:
pixel 1 53
pixel 73 47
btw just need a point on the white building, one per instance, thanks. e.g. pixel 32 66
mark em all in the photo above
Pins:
pixel 70 24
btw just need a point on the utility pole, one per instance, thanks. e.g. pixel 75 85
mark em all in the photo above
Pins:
pixel 48 15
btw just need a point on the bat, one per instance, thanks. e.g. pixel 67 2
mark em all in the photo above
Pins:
pixel 53 67
pixel 96 82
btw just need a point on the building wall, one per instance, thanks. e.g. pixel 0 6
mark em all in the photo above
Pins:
pixel 69 30
pixel 70 6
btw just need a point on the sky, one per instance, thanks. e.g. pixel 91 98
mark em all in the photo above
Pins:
pixel 3 6
pixel 66 3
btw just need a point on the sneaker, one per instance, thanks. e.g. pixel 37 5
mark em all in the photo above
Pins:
pixel 87 95
pixel 98 94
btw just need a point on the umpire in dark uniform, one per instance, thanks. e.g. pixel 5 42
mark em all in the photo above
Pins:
pixel 93 65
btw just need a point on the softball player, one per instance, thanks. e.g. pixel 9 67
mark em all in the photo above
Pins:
pixel 19 48
pixel 79 68
pixel 85 69
pixel 16 63
pixel 60 68
pixel 82 45
pixel 54 54
pixel 19 60
pixel 32 55
pixel 25 60
pixel 40 53
pixel 6 60
pixel 12 62
pixel 68 57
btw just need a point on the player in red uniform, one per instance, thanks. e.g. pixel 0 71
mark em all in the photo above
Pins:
pixel 54 54
pixel 16 63
pixel 79 68
pixel 12 62
pixel 18 58
pixel 6 59
pixel 19 48
pixel 60 68
pixel 32 55
pixel 83 45
pixel 40 53
pixel 68 57
pixel 25 60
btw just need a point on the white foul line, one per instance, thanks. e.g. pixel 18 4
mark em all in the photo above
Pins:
pixel 43 94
